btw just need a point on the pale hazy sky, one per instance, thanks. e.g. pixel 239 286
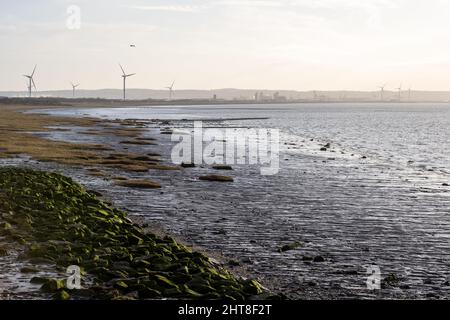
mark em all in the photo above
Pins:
pixel 272 44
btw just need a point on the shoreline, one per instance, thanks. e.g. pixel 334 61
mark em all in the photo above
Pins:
pixel 118 103
pixel 24 125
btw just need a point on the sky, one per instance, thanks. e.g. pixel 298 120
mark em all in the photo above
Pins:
pixel 247 44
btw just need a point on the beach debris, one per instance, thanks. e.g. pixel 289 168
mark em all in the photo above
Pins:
pixel 3 252
pixel 39 280
pixel 187 165
pixel 119 178
pixel 291 246
pixel 325 147
pixel 96 173
pixel 139 184
pixel 214 177
pixel 319 259
pixel 52 285
pixel 145 139
pixel 138 142
pixel 95 193
pixel 233 263
pixel 153 154
pixel 133 168
pixel 61 295
pixel 143 158
pixel 391 280
pixel 29 270
pixel 222 167
pixel 163 167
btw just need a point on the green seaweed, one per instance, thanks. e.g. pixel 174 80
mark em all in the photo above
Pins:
pixel 61 223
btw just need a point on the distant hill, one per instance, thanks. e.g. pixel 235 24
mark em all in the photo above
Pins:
pixel 244 94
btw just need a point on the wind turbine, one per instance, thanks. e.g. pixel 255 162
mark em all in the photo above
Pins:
pixel 125 76
pixel 409 93
pixel 31 81
pixel 170 90
pixel 74 86
pixel 382 91
pixel 399 92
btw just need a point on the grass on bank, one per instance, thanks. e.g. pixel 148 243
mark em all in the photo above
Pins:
pixel 17 138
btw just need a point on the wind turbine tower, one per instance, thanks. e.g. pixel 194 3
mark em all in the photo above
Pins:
pixel 382 91
pixel 125 76
pixel 399 93
pixel 170 90
pixel 31 83
pixel 74 86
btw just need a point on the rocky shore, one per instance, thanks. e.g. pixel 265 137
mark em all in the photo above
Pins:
pixel 59 223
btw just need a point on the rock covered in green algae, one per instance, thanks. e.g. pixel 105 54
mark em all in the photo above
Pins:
pixel 61 295
pixel 59 221
pixel 52 285
pixel 291 246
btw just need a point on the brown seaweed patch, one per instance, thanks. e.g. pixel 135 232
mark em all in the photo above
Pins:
pixel 222 167
pixel 163 167
pixel 214 177
pixel 140 184
pixel 120 178
pixel 138 142
pixel 132 167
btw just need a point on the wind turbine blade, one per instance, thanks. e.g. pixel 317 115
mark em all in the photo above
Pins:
pixel 33 70
pixel 34 85
pixel 129 75
pixel 172 84
pixel 122 69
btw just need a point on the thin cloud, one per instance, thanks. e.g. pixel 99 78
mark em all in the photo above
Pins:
pixel 173 8
pixel 247 3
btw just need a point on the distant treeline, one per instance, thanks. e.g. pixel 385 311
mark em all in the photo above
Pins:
pixel 79 102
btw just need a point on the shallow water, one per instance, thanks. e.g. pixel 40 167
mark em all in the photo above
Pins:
pixel 389 209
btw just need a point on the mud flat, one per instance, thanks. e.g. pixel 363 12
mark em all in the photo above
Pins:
pixel 312 231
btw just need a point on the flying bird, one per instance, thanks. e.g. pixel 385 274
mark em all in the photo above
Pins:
pixel 132 45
